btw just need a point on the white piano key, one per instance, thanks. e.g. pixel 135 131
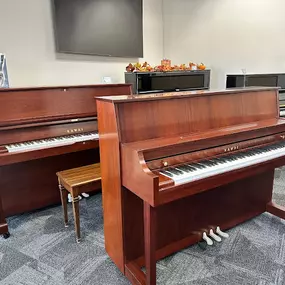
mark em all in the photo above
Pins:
pixel 53 142
pixel 231 162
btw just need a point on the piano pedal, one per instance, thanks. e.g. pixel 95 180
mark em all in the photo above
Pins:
pixel 85 195
pixel 207 239
pixel 214 236
pixel 69 198
pixel 221 233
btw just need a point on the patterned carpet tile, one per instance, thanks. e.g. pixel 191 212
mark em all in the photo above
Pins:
pixel 41 251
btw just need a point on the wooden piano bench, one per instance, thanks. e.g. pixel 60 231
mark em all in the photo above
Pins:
pixel 77 181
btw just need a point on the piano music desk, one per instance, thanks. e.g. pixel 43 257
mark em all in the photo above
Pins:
pixel 77 181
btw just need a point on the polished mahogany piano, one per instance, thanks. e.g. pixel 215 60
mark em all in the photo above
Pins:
pixel 184 168
pixel 42 131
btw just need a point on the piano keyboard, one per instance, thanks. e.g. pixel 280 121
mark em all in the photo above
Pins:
pixel 51 142
pixel 282 113
pixel 206 168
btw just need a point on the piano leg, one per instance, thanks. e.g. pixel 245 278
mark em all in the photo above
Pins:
pixel 276 210
pixel 3 224
pixel 150 243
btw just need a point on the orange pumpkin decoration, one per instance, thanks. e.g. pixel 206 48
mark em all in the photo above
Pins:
pixel 201 66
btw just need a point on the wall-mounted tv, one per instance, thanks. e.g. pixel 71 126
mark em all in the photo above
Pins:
pixel 99 27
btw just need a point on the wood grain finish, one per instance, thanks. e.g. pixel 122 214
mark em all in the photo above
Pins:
pixel 111 179
pixel 140 172
pixel 45 130
pixel 3 223
pixel 185 218
pixel 77 181
pixel 150 243
pixel 163 189
pixel 38 185
pixel 196 152
pixel 276 210
pixel 79 176
pixel 142 120
pixel 182 94
pixel 23 105
pixel 39 113
pixel 167 146
pixel 134 274
pixel 151 132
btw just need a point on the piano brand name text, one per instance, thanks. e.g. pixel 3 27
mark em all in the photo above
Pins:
pixel 75 130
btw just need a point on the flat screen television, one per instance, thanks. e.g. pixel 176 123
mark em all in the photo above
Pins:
pixel 99 27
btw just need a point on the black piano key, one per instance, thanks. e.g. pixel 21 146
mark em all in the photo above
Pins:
pixel 197 166
pixel 201 164
pixel 174 171
pixel 167 173
pixel 216 161
pixel 191 167
pixel 184 168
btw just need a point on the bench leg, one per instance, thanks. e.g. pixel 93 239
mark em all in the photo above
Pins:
pixel 75 206
pixel 63 196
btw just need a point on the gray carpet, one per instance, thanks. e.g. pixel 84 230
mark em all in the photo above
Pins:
pixel 41 251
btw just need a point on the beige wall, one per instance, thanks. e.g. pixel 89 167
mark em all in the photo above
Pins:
pixel 227 35
pixel 27 39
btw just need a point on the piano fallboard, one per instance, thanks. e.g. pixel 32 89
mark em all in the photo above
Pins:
pixel 50 129
pixel 173 145
pixel 185 151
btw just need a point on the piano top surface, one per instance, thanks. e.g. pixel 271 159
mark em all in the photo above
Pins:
pixel 34 88
pixel 181 94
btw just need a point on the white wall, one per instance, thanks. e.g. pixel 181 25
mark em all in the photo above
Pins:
pixel 226 35
pixel 26 37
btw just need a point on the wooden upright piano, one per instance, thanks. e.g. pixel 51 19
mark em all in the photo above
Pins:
pixel 42 131
pixel 184 164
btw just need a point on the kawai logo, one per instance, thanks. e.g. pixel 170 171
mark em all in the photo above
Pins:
pixel 231 148
pixel 75 130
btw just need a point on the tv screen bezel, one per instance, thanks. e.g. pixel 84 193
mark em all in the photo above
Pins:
pixel 58 50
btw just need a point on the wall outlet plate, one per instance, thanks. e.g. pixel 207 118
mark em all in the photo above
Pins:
pixel 106 79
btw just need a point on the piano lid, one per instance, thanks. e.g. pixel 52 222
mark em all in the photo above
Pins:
pixel 181 94
pixel 34 88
